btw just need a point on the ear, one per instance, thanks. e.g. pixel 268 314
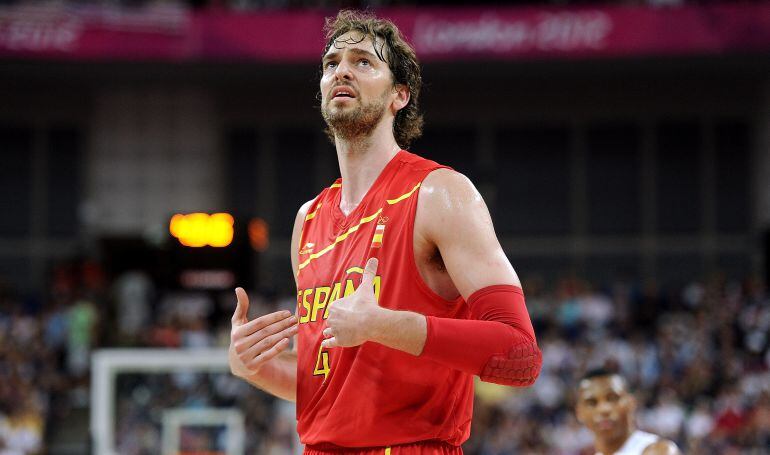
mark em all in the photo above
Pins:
pixel 632 403
pixel 402 97
pixel 579 414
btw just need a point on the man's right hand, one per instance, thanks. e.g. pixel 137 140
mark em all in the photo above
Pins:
pixel 254 343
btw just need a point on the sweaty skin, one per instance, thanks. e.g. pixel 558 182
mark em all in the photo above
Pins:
pixel 606 407
pixel 447 198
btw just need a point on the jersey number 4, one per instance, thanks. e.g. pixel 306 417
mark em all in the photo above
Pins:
pixel 322 363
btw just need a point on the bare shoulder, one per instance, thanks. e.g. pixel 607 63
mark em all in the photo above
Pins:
pixel 448 186
pixel 662 447
pixel 296 232
pixel 453 219
pixel 299 220
pixel 447 197
pixel 304 208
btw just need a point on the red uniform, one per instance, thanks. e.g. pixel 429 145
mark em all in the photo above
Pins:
pixel 372 396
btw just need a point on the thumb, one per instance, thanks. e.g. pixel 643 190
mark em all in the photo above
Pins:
pixel 370 271
pixel 330 343
pixel 241 314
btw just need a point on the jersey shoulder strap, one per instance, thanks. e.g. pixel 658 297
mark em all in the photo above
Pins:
pixel 637 442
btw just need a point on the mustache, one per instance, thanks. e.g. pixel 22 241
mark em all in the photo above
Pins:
pixel 343 84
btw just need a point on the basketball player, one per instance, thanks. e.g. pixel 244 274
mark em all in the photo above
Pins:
pixel 606 407
pixel 403 291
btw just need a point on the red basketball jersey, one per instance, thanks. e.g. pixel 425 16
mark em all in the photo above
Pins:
pixel 371 395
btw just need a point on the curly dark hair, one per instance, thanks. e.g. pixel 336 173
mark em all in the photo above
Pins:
pixel 392 49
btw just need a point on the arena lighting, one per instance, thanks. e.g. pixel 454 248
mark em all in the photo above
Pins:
pixel 259 234
pixel 201 229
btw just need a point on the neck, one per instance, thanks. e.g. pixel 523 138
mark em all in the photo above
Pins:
pixel 611 445
pixel 362 159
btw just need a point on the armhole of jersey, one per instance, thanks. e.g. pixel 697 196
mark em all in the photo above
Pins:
pixel 412 259
pixel 311 209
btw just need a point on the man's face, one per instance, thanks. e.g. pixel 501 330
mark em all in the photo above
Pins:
pixel 357 88
pixel 605 406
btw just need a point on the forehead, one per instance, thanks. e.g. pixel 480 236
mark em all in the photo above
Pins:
pixel 352 40
pixel 601 386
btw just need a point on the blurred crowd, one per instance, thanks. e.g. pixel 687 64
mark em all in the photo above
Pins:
pixel 45 356
pixel 697 357
pixel 45 349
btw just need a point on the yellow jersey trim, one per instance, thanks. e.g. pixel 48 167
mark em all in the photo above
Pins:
pixel 403 196
pixel 312 215
pixel 342 237
pixel 339 239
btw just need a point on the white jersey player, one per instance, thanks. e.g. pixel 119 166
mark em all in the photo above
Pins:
pixel 607 408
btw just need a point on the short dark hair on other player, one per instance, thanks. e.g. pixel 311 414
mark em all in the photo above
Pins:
pixel 392 49
pixel 603 372
pixel 597 373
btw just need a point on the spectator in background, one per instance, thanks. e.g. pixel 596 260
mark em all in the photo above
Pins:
pixel 133 291
pixel 667 417
pixel 21 425
pixel 82 323
pixel 699 425
pixel 22 421
pixel 759 422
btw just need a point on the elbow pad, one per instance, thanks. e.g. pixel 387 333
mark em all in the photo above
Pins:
pixel 498 343
pixel 519 368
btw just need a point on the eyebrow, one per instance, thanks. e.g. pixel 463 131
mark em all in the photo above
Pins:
pixel 354 50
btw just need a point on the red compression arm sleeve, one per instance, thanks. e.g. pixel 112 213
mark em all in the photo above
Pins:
pixel 498 342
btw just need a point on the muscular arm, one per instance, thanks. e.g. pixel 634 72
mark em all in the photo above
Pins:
pixel 278 376
pixel 499 344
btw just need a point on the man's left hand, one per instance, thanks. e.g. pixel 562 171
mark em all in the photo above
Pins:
pixel 351 319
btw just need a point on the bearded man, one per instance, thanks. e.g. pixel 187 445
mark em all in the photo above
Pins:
pixel 403 290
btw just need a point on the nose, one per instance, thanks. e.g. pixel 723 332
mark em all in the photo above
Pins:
pixel 604 408
pixel 343 71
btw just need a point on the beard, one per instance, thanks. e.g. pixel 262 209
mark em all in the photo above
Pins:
pixel 356 122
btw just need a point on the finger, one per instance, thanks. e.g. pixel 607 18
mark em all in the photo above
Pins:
pixel 327 332
pixel 330 343
pixel 370 271
pixel 265 321
pixel 245 340
pixel 267 343
pixel 272 352
pixel 262 322
pixel 241 314
pixel 256 351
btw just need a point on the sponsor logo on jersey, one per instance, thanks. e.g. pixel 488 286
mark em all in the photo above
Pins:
pixel 307 249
